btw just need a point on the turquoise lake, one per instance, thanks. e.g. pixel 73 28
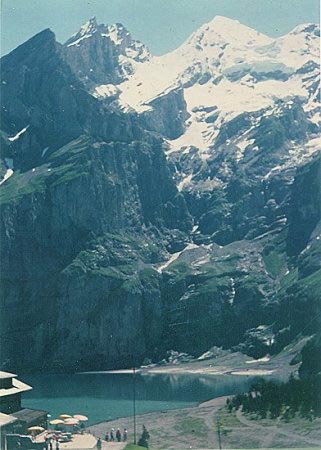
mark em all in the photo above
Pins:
pixel 106 396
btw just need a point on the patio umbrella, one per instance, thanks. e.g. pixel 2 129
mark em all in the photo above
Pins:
pixel 71 421
pixel 80 418
pixel 56 422
pixel 36 429
pixel 65 416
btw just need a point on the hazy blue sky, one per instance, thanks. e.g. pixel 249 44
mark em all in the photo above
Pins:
pixel 161 24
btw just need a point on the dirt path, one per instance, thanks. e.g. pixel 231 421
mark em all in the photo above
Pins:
pixel 271 431
pixel 210 420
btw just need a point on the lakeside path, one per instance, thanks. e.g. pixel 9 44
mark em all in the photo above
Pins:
pixel 196 428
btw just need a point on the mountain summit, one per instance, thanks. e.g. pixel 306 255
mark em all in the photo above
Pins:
pixel 229 31
pixel 86 31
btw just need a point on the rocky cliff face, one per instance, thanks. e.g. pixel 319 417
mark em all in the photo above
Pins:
pixel 140 206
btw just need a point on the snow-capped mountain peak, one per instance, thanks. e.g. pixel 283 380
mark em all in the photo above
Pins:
pixel 225 59
pixel 89 27
pixel 224 21
pixel 224 29
pixel 103 54
pixel 116 34
pixel 86 31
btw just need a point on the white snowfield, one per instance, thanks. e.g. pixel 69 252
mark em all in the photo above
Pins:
pixel 106 90
pixel 221 48
pixel 230 68
pixel 224 69
pixel 175 256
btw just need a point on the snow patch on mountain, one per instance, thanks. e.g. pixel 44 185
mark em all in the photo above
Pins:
pixel 313 145
pixel 106 90
pixel 297 155
pixel 242 145
pixel 230 99
pixel 185 181
pixel 19 134
pixel 77 41
pixel 114 34
pixel 175 256
pixel 316 118
pixel 196 135
pixel 7 175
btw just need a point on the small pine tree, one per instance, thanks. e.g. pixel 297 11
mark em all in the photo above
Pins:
pixel 143 441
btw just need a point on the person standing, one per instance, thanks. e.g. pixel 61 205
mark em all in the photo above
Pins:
pixel 118 435
pixel 112 436
pixel 125 434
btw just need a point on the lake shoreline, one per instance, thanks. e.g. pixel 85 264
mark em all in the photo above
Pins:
pixel 229 363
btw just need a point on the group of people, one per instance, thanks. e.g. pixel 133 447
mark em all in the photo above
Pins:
pixel 116 435
pixel 52 443
pixel 112 436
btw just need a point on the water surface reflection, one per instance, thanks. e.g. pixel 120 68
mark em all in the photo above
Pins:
pixel 105 396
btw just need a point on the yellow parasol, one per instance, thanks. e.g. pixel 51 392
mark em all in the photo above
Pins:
pixel 56 422
pixel 80 418
pixel 71 421
pixel 65 416
pixel 36 429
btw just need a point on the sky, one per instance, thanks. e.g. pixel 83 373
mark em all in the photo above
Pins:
pixel 160 24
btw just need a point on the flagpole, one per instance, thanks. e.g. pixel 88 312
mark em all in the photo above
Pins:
pixel 134 401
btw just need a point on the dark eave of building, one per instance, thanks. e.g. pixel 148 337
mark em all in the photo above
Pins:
pixel 29 415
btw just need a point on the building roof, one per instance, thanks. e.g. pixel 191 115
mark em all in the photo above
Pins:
pixel 28 415
pixel 5 419
pixel 7 375
pixel 17 387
